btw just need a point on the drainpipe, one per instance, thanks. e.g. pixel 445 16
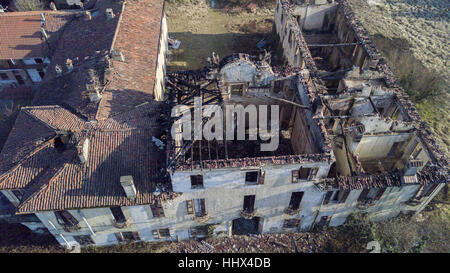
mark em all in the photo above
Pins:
pixel 318 212
pixel 87 224
pixel 62 236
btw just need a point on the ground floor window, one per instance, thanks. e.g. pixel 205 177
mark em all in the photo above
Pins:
pixel 161 233
pixel 127 236
pixel 291 223
pixel 198 231
pixel 84 240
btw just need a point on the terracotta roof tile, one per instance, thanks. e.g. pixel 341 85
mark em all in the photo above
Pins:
pixel 54 179
pixel 135 32
pixel 21 33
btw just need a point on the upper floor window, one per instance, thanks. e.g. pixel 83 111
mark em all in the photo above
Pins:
pixel 157 209
pixel 196 206
pixel 304 174
pixel 196 181
pixel 118 215
pixel 336 197
pixel 368 196
pixel 127 236
pixel 161 233
pixel 296 199
pixel 254 177
pixel 249 203
pixel 65 219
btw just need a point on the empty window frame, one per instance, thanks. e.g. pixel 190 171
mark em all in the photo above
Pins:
pixel 19 79
pixel 327 197
pixel 396 149
pixel 254 177
pixel 161 233
pixel 363 196
pixel 84 240
pixel 291 223
pixel 127 236
pixel 118 215
pixel 277 86
pixel 18 193
pixel 198 231
pixel 41 72
pixel 237 89
pixel 370 195
pixel 379 193
pixel 304 174
pixel 249 203
pixel 64 218
pixel 340 196
pixel 131 236
pixel 157 209
pixel 197 181
pixel 296 199
pixel 196 206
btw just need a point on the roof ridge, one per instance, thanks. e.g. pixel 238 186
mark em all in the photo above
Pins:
pixel 25 110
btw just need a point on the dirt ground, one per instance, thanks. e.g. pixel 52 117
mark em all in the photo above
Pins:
pixel 413 36
pixel 203 30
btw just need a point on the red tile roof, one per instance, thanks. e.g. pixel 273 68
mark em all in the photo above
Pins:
pixel 55 179
pixel 134 31
pixel 21 35
pixel 120 127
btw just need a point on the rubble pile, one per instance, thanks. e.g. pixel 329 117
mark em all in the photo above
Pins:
pixel 267 243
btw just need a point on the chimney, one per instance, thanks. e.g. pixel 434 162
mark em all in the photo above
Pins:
pixel 52 6
pixel 128 186
pixel 69 65
pixel 95 96
pixel 83 150
pixel 87 16
pixel 117 55
pixel 58 70
pixel 109 14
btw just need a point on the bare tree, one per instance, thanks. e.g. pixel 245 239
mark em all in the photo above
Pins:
pixel 27 5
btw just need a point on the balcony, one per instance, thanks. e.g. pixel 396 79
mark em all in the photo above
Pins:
pixel 120 224
pixel 290 211
pixel 248 214
pixel 365 204
pixel 202 217
pixel 71 228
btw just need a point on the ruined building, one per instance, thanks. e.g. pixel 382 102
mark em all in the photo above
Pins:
pixel 94 158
